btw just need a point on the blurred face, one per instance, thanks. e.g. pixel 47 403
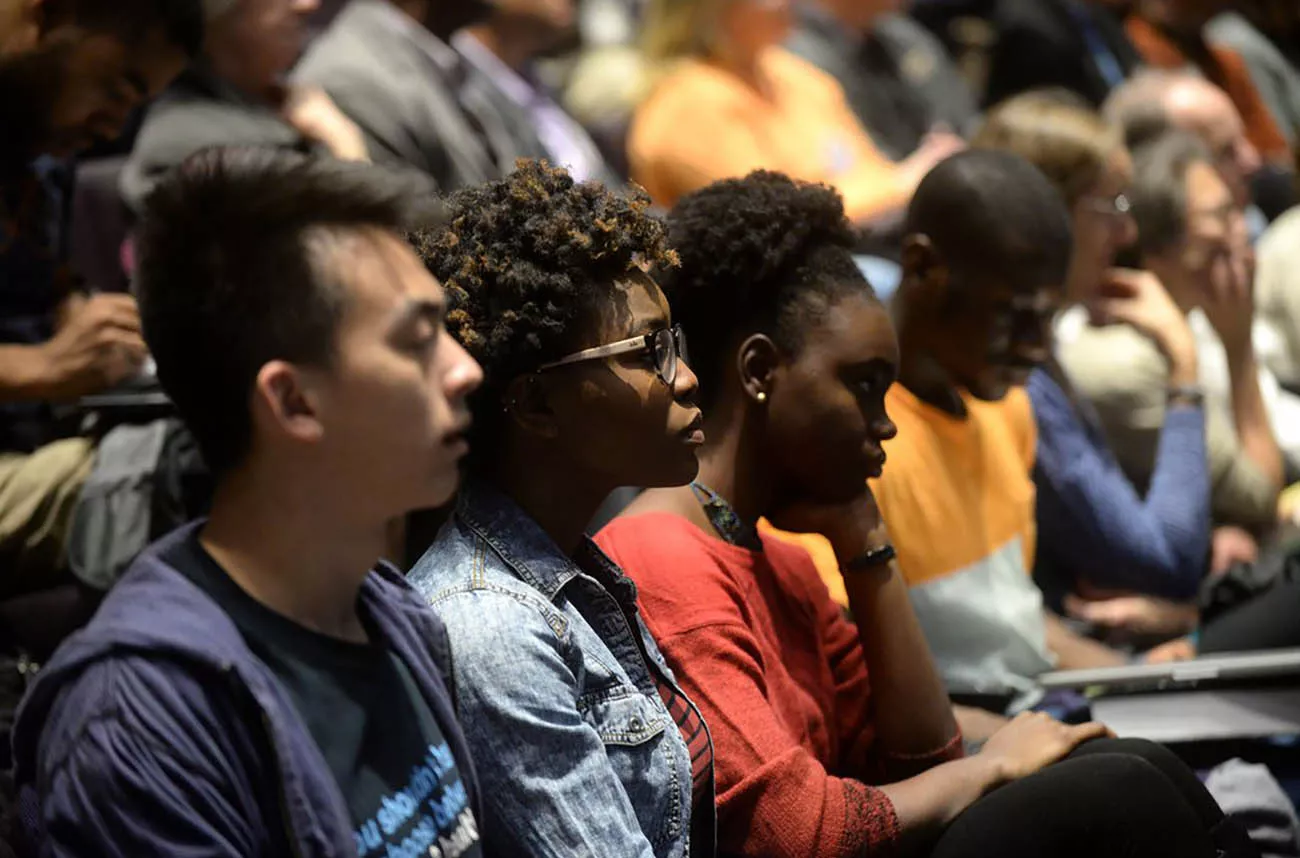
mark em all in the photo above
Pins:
pixel 751 26
pixel 997 330
pixel 256 43
pixel 826 406
pixel 78 87
pixel 1102 226
pixel 543 25
pixel 392 407
pixel 1201 263
pixel 616 418
pixel 1207 112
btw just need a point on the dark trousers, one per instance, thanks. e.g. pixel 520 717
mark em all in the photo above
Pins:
pixel 1111 798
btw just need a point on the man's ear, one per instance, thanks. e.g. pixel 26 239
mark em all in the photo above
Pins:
pixel 757 361
pixel 527 406
pixel 283 399
pixel 925 274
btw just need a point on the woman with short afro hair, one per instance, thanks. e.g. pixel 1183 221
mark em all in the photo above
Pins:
pixel 583 741
pixel 835 739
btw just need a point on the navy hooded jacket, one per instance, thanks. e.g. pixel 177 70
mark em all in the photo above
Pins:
pixel 156 731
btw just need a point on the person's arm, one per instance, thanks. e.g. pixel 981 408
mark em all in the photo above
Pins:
pixel 927 803
pixel 1229 304
pixel 1091 517
pixel 317 118
pixel 542 765
pixel 1249 415
pixel 137 775
pixel 914 724
pixel 1075 652
pixel 25 373
pixel 97 346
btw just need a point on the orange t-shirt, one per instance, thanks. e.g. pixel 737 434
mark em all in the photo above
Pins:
pixel 958 498
pixel 701 124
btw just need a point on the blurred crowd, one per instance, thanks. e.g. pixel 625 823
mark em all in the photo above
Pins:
pixel 745 402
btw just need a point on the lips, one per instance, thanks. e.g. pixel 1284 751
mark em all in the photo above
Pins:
pixel 457 437
pixel 694 432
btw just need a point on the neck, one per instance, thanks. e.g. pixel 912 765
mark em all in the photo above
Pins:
pixel 733 467
pixel 514 55
pixel 294 554
pixel 553 492
pixel 921 373
pixel 744 63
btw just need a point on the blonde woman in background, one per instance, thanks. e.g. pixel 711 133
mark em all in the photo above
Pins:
pixel 724 98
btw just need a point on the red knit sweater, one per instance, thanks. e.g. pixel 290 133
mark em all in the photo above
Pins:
pixel 756 641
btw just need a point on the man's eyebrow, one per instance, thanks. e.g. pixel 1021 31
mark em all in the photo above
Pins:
pixel 426 308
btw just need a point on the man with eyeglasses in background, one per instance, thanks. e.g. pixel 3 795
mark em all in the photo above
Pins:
pixel 1192 235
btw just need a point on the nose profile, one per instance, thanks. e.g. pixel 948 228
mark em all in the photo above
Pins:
pixel 687 384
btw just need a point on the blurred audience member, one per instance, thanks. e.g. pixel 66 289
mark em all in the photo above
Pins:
pixel 1266 33
pixel 262 653
pixel 503 49
pixel 985 265
pixel 1192 238
pixel 896 76
pixel 1155 102
pixel 835 738
pixel 1079 45
pixel 1277 299
pixel 388 65
pixel 1170 34
pixel 235 95
pixel 726 99
pixel 71 74
pixel 585 742
pixel 1094 528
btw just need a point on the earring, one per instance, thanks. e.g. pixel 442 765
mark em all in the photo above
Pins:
pixel 761 397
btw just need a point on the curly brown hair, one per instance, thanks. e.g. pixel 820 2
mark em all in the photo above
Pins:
pixel 529 262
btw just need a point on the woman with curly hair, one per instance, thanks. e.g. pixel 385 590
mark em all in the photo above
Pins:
pixel 583 741
pixel 836 739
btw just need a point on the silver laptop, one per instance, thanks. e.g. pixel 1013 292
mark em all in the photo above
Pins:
pixel 1264 666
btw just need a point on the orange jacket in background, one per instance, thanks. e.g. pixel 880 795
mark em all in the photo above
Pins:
pixel 702 123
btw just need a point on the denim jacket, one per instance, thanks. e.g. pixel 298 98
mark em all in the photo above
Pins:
pixel 575 750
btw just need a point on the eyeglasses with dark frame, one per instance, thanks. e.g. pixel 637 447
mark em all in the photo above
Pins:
pixel 665 348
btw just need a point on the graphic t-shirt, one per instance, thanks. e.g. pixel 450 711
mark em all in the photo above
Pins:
pixel 365 711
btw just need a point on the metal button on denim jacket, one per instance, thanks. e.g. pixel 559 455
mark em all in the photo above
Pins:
pixel 575 749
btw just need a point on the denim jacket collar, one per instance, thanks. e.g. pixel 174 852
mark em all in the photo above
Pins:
pixel 529 551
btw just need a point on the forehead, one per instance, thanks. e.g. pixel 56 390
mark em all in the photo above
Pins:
pixel 636 305
pixel 854 329
pixel 1205 109
pixel 380 270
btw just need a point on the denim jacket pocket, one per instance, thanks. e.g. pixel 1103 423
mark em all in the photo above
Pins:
pixel 627 720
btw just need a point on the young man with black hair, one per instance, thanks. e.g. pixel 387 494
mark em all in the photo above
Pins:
pixel 255 684
pixel 984 267
pixel 71 72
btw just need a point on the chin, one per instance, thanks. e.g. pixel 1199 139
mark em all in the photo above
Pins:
pixel 991 391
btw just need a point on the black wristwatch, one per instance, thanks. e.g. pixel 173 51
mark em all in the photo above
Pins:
pixel 872 558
